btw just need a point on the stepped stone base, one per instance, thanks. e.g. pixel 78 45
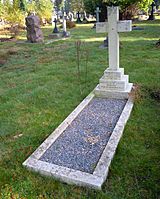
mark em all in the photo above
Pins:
pixel 113 94
pixel 114 84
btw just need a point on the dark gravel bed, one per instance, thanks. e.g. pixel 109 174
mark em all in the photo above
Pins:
pixel 80 146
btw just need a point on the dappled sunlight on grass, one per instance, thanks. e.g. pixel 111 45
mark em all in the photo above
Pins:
pixel 47 27
pixel 158 17
pixel 132 39
pixel 146 23
pixel 22 38
pixel 153 24
pixel 94 39
pixel 84 25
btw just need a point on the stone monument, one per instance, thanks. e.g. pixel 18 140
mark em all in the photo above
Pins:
pixel 151 16
pixel 55 33
pixel 65 33
pixel 34 33
pixel 55 30
pixel 97 14
pixel 97 11
pixel 114 83
pixel 78 18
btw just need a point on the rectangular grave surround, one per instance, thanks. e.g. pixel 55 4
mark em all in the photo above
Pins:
pixel 80 150
pixel 80 146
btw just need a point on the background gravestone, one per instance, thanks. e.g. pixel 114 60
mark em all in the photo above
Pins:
pixel 78 17
pixel 34 33
pixel 55 30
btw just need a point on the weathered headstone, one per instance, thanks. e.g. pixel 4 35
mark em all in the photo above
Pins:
pixel 34 33
pixel 114 83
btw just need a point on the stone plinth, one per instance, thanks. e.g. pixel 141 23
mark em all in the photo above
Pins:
pixel 114 84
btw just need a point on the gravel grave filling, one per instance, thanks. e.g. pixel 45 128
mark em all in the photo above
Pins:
pixel 81 145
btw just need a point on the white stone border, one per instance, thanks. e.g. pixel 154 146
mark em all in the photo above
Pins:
pixel 72 176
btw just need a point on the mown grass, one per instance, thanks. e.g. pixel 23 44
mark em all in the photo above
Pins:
pixel 39 87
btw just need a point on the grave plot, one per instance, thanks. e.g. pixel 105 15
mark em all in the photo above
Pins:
pixel 80 150
pixel 81 144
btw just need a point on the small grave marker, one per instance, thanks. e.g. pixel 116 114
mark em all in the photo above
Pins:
pixel 78 17
pixel 55 30
pixel 97 11
pixel 52 20
pixel 64 22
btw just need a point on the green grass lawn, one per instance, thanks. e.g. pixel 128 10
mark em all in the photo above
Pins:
pixel 40 85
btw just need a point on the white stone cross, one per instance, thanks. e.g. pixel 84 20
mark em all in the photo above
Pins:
pixel 114 83
pixel 113 27
pixel 64 22
pixel 97 14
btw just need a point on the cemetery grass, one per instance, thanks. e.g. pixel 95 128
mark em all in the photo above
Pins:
pixel 41 84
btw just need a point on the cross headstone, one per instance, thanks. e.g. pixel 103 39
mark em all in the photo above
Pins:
pixel 151 16
pixel 78 17
pixel 65 33
pixel 55 30
pixel 114 83
pixel 97 11
pixel 64 21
